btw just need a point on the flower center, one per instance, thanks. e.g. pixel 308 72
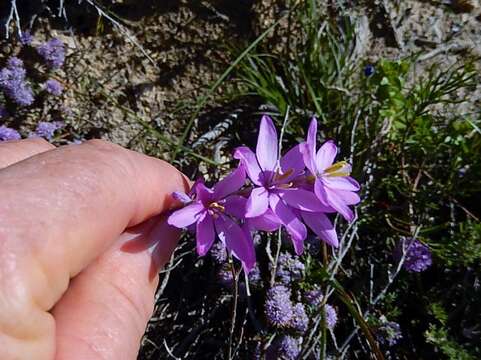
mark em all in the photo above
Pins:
pixel 341 168
pixel 279 177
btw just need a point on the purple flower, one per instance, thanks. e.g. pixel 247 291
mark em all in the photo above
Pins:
pixel 289 268
pixel 418 256
pixel 299 321
pixel 276 197
pixel 331 316
pixel 314 297
pixel 53 87
pixel 53 52
pixel 285 348
pixel 7 133
pixel 278 306
pixel 369 70
pixel 389 333
pixel 213 211
pixel 218 252
pixel 26 38
pixel 332 184
pixel 13 84
pixel 47 129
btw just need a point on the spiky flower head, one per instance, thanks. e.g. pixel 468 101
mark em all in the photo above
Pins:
pixel 299 321
pixel 331 316
pixel 289 268
pixel 418 257
pixel 53 87
pixel 53 52
pixel 13 84
pixel 278 306
pixel 285 348
pixel 7 133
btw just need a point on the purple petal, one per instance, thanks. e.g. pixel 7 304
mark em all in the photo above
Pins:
pixel 341 183
pixel 205 234
pixel 181 197
pixel 326 155
pixel 204 194
pixel 339 204
pixel 230 184
pixel 266 222
pixel 267 146
pixel 320 191
pixel 257 203
pixel 292 162
pixel 302 199
pixel 294 226
pixel 322 226
pixel 235 205
pixel 248 158
pixel 186 216
pixel 349 197
pixel 308 149
pixel 236 240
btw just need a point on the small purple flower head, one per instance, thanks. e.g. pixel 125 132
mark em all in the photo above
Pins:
pixel 7 133
pixel 13 84
pixel 53 87
pixel 369 70
pixel 289 268
pixel 218 252
pixel 213 211
pixel 285 348
pixel 418 256
pixel 331 316
pixel 26 38
pixel 47 129
pixel 225 276
pixel 278 306
pixel 314 297
pixel 53 52
pixel 299 321
pixel 389 333
pixel 254 276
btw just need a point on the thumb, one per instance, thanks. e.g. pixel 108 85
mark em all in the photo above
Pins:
pixel 104 312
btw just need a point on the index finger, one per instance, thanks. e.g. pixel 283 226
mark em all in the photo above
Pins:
pixel 60 209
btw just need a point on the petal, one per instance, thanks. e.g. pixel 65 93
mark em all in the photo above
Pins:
pixel 293 225
pixel 335 200
pixel 320 191
pixel 349 197
pixel 326 155
pixel 205 234
pixel 257 203
pixel 181 197
pixel 231 183
pixel 341 183
pixel 186 216
pixel 292 162
pixel 302 199
pixel 235 205
pixel 204 194
pixel 322 226
pixel 308 148
pixel 266 222
pixel 248 158
pixel 267 146
pixel 237 240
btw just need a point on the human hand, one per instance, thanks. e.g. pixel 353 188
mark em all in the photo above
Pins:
pixel 81 240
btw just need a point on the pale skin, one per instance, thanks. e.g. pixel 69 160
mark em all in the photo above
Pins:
pixel 81 241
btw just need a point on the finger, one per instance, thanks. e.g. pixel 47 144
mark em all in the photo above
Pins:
pixel 105 310
pixel 15 151
pixel 59 211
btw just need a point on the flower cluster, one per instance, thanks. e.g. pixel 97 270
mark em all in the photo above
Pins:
pixel 13 82
pixel 53 87
pixel 7 133
pixel 47 129
pixel 285 348
pixel 418 257
pixel 53 52
pixel 295 191
pixel 289 268
pixel 389 333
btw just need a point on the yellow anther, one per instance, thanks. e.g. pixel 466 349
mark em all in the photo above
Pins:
pixel 341 168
